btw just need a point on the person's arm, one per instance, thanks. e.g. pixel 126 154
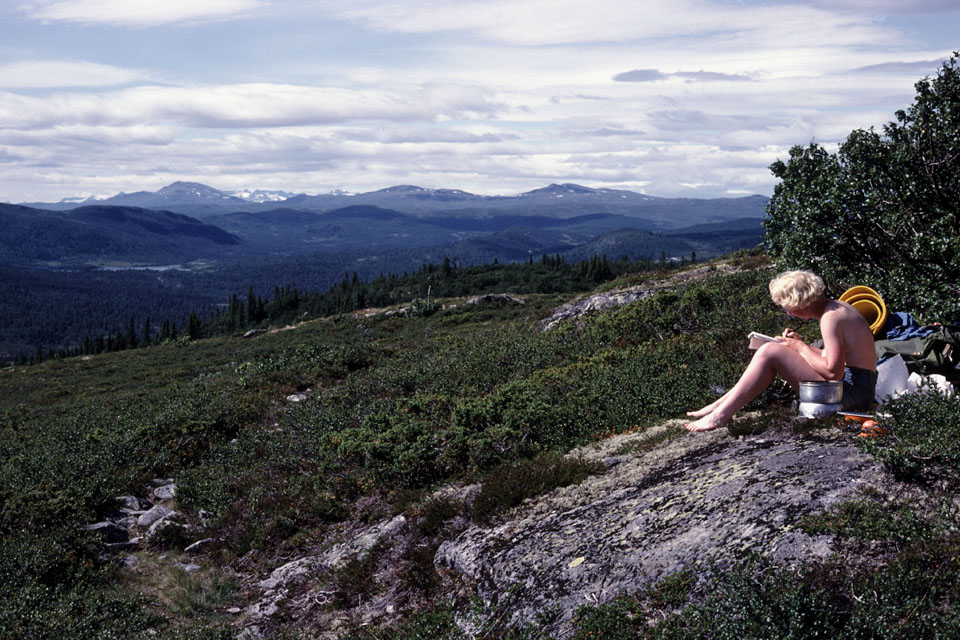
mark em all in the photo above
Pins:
pixel 828 363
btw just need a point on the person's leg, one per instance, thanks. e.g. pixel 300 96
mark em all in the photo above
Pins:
pixel 770 360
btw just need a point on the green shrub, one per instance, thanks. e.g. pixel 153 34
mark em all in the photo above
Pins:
pixel 924 434
pixel 882 211
pixel 869 519
pixel 434 513
pixel 508 485
pixel 622 618
pixel 436 624
pixel 673 590
pixel 193 594
pixel 354 580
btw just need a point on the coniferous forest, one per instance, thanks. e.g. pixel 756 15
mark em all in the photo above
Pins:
pixel 114 311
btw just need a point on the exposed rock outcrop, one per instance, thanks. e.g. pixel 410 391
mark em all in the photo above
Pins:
pixel 491 298
pixel 628 295
pixel 276 590
pixel 692 501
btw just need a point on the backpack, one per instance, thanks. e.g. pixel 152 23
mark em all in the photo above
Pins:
pixel 937 352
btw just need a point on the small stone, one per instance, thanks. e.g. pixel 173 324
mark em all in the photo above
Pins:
pixel 297 397
pixel 108 531
pixel 159 512
pixel 234 610
pixel 160 525
pixel 199 545
pixel 188 568
pixel 130 561
pixel 128 502
pixel 166 492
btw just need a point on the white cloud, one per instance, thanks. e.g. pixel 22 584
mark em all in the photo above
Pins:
pixel 34 74
pixel 652 75
pixel 890 6
pixel 139 13
pixel 247 105
pixel 550 22
pixel 485 95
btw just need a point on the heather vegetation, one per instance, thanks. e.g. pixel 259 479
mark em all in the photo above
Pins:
pixel 397 406
pixel 392 408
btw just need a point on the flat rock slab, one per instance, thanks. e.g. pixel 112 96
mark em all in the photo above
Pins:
pixel 692 501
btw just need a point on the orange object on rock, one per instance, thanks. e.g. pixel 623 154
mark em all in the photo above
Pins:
pixel 870 429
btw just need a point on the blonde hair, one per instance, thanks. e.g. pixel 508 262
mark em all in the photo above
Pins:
pixel 796 289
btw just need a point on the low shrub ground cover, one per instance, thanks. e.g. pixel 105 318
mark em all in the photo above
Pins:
pixel 924 436
pixel 397 406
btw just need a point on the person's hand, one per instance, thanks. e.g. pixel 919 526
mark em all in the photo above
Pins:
pixel 791 339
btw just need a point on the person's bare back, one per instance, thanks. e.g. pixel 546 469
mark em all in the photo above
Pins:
pixel 853 333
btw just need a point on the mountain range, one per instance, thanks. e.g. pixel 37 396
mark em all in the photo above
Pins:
pixel 191 247
pixel 555 201
pixel 188 221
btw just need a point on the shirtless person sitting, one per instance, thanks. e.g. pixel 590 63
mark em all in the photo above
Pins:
pixel 848 352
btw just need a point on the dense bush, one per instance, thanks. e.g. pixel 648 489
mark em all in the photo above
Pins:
pixel 915 597
pixel 924 434
pixel 885 209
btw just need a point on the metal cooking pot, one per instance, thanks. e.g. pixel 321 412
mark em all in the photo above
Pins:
pixel 821 391
pixel 816 410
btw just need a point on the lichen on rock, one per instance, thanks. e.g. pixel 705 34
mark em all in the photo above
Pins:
pixel 693 501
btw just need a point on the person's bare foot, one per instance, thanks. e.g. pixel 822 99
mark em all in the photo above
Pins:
pixel 699 413
pixel 708 409
pixel 708 422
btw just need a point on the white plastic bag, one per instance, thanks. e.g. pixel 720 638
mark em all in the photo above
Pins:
pixel 921 384
pixel 892 378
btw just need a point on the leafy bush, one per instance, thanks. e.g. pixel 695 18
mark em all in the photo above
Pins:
pixel 924 433
pixel 869 519
pixel 914 596
pixel 883 210
pixel 622 618
pixel 200 593
pixel 355 579
pixel 437 624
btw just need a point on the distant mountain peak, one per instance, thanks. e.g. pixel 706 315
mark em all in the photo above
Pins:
pixel 195 190
pixel 402 188
pixel 562 189
pixel 261 195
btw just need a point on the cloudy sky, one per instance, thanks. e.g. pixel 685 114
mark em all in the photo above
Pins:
pixel 671 98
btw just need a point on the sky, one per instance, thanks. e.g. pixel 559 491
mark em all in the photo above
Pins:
pixel 678 98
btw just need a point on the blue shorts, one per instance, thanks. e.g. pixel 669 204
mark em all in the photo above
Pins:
pixel 859 388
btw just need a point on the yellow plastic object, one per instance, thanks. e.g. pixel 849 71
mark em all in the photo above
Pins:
pixel 870 305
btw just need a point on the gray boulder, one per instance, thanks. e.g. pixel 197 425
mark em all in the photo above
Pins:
pixel 166 492
pixel 696 500
pixel 160 525
pixel 159 512
pixel 132 503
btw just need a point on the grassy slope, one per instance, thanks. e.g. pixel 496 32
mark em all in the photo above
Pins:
pixel 398 406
